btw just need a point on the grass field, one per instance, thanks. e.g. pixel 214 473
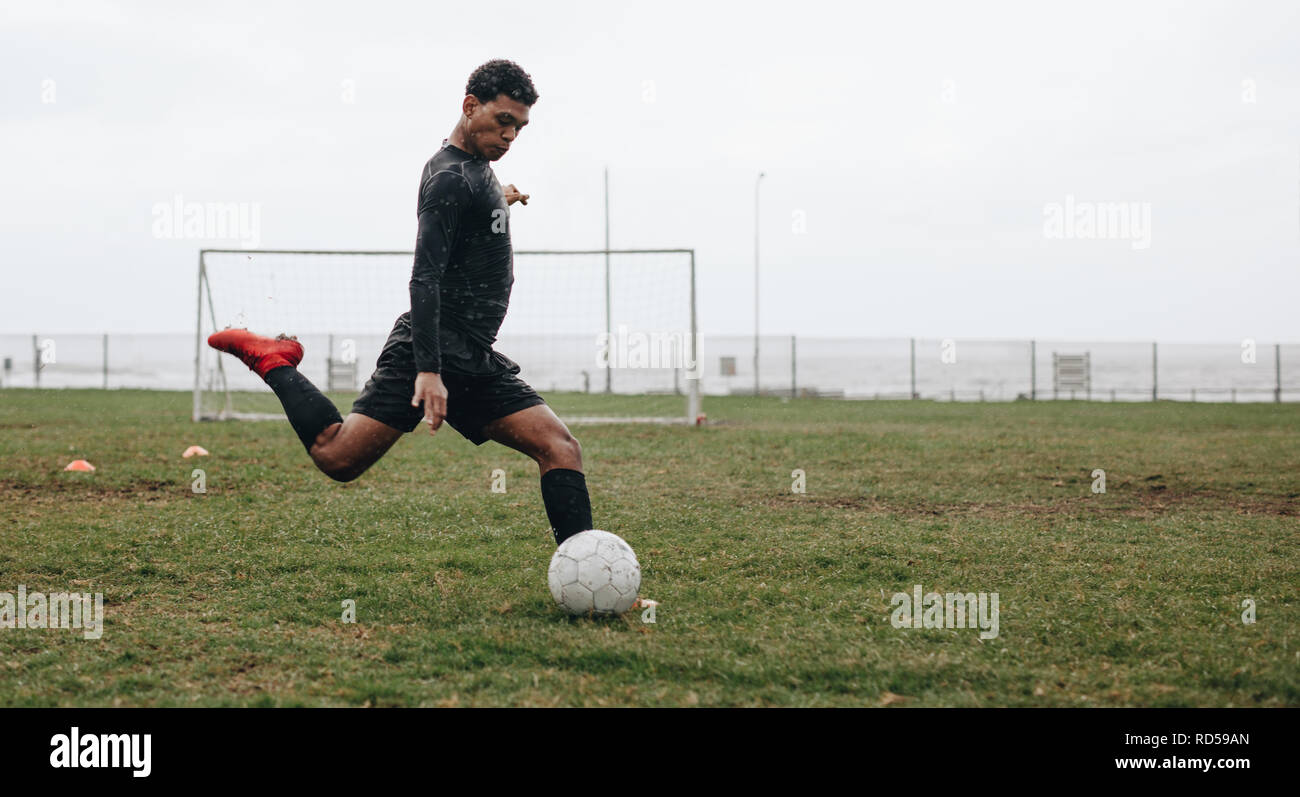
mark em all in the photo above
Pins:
pixel 766 596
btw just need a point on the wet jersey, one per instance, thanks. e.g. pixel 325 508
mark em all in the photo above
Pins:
pixel 464 266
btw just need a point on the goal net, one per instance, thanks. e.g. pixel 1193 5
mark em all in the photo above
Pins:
pixel 595 322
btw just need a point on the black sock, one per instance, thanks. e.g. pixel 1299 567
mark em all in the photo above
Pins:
pixel 309 411
pixel 568 506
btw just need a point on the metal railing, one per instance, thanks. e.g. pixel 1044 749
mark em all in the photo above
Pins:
pixel 852 368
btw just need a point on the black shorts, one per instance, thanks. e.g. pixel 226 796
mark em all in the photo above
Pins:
pixel 473 401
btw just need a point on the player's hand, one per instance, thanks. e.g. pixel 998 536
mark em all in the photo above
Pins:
pixel 430 392
pixel 513 195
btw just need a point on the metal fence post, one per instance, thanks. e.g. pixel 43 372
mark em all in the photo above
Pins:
pixel 793 383
pixel 106 361
pixel 1277 373
pixel 1033 371
pixel 36 360
pixel 1154 371
pixel 913 367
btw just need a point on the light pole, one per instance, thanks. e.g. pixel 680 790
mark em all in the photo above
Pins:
pixel 757 183
pixel 609 317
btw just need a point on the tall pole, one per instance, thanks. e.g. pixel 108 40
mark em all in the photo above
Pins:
pixel 198 342
pixel 758 182
pixel 693 385
pixel 609 330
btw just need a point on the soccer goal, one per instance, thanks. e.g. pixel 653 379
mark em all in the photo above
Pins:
pixel 616 321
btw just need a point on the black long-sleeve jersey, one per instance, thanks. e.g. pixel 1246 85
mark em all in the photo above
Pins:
pixel 464 266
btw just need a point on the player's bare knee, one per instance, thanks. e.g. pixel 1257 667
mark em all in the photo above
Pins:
pixel 334 466
pixel 345 474
pixel 566 452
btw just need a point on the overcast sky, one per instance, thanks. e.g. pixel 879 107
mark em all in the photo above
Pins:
pixel 916 153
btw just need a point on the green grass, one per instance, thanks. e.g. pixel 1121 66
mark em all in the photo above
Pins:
pixel 767 597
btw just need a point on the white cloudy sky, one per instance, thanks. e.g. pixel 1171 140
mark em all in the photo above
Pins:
pixel 924 210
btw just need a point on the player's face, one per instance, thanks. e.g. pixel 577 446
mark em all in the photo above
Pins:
pixel 493 126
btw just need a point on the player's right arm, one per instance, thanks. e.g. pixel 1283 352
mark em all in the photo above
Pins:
pixel 444 198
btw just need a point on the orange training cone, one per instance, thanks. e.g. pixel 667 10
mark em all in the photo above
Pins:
pixel 195 451
pixel 79 464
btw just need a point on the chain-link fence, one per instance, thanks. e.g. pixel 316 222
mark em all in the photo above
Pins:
pixel 956 369
pixel 854 368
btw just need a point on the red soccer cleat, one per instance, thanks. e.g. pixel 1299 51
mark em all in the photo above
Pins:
pixel 258 351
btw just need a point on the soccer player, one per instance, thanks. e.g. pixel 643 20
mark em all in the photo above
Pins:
pixel 438 363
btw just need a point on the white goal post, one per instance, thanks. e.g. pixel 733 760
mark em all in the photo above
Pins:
pixel 596 321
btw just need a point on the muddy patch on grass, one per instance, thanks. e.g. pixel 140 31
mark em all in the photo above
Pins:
pixel 1144 502
pixel 86 486
pixel 83 489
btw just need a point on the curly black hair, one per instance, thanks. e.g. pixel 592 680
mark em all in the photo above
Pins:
pixel 500 76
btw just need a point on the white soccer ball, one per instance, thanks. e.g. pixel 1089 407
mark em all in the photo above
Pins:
pixel 594 571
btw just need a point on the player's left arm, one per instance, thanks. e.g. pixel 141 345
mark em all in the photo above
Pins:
pixel 514 195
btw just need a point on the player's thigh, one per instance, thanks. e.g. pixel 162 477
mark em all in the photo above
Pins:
pixel 538 432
